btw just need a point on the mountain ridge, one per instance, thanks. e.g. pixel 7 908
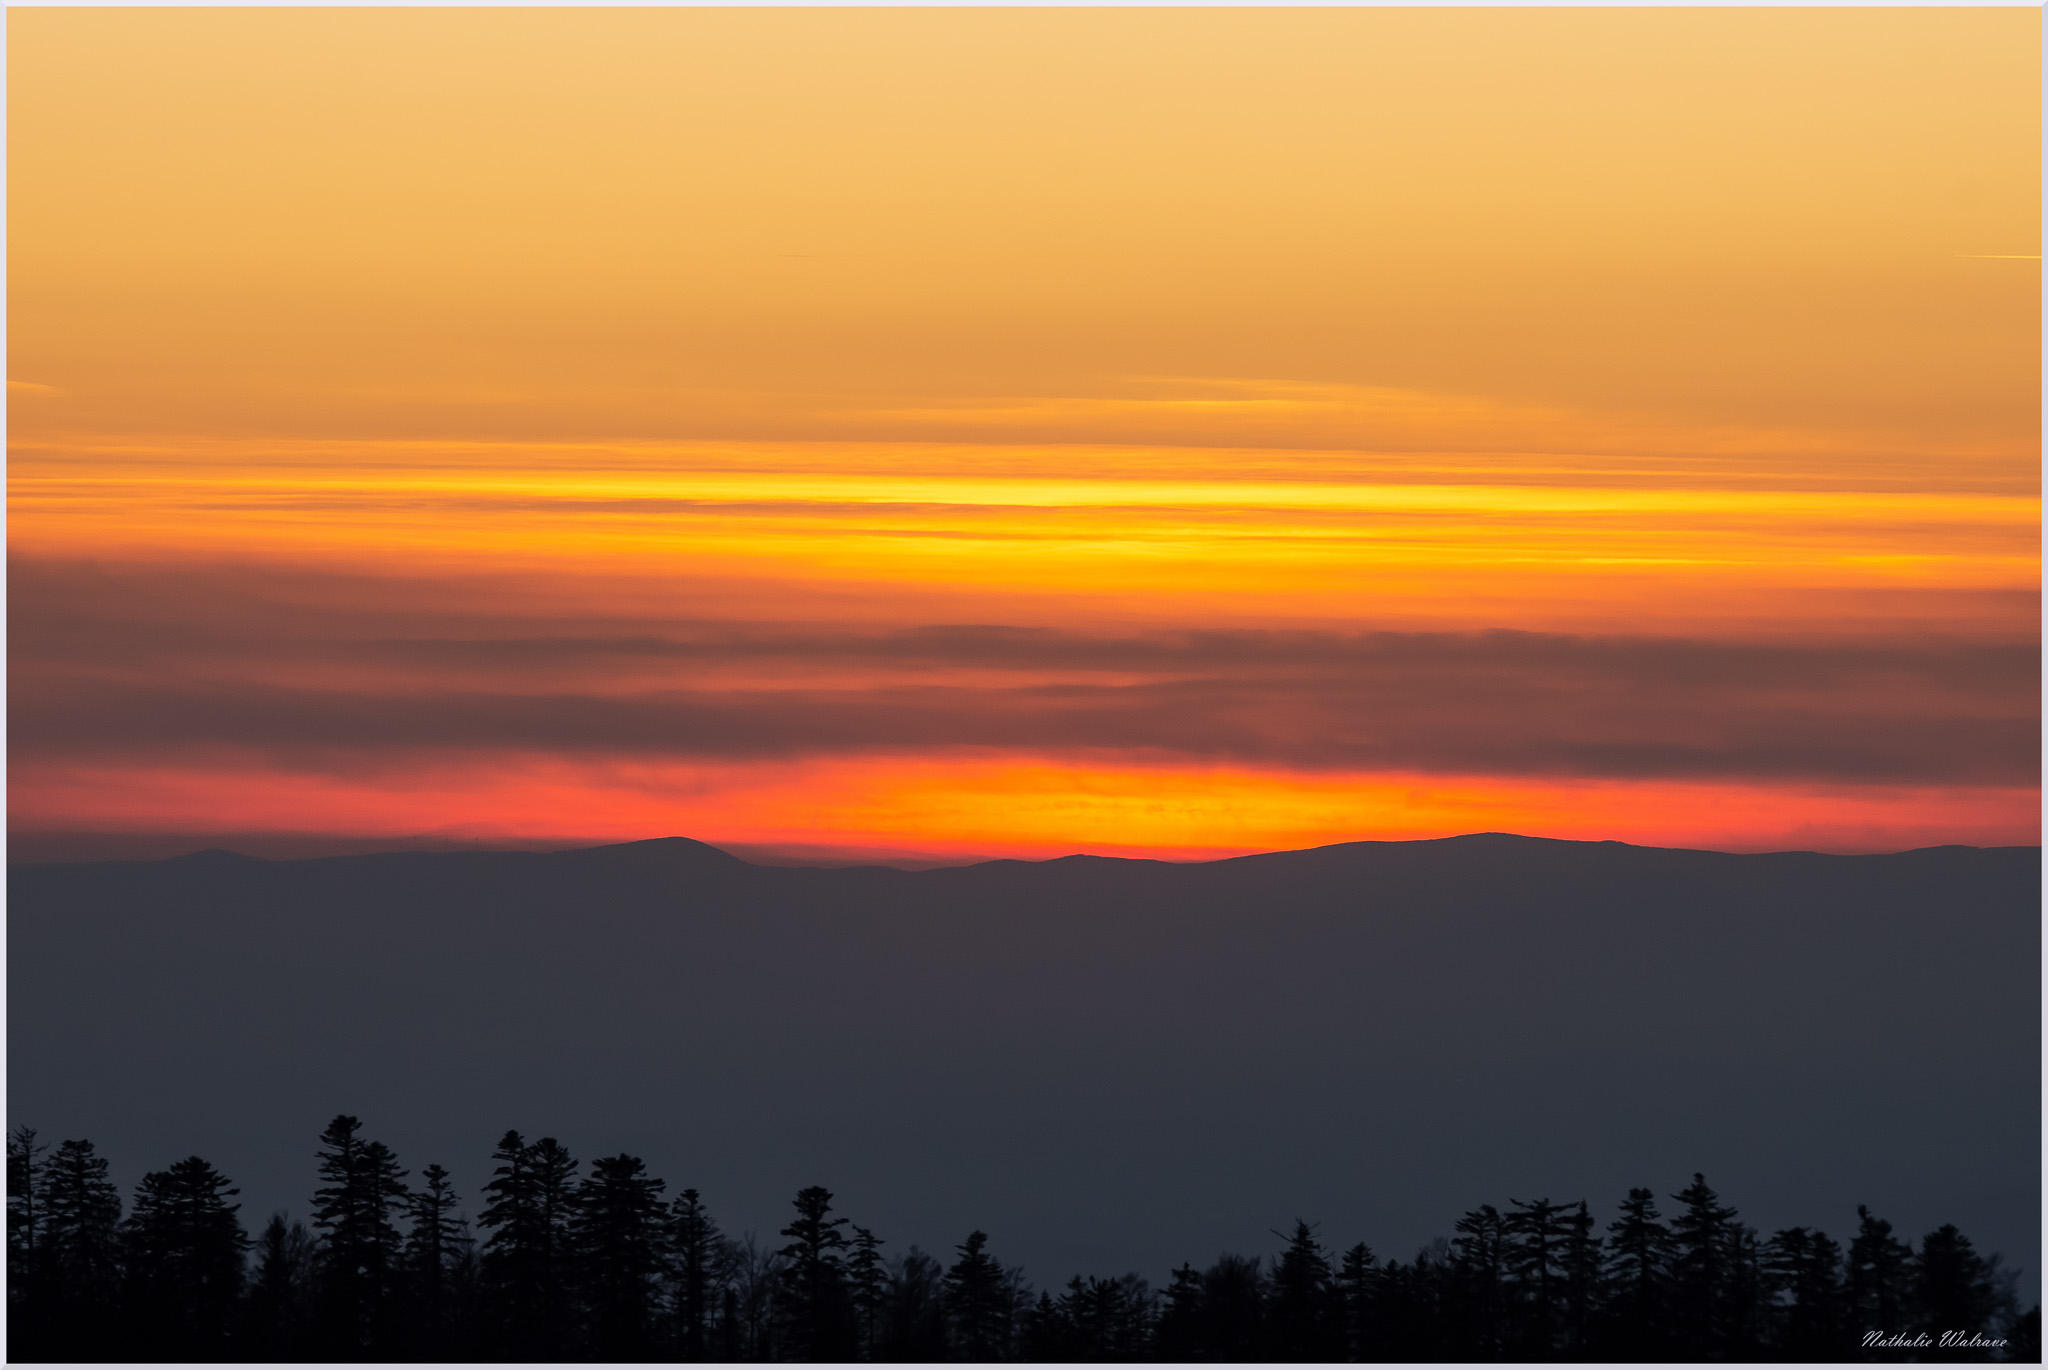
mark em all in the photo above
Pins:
pixel 675 844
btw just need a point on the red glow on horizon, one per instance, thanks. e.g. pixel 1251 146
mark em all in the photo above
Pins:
pixel 919 810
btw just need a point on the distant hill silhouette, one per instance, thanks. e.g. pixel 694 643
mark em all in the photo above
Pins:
pixel 1106 1063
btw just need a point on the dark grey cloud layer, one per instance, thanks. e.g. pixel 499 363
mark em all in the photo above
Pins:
pixel 332 674
pixel 1428 723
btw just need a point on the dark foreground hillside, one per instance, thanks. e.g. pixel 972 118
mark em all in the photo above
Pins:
pixel 1108 1065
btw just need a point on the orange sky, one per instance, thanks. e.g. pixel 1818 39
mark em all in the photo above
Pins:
pixel 984 432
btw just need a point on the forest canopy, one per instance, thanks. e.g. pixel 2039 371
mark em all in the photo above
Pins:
pixel 600 1261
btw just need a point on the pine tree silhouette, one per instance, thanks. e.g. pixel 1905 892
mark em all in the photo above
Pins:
pixel 1955 1290
pixel 1703 1237
pixel 511 1263
pixel 81 1242
pixel 1535 1237
pixel 1746 1309
pixel 1479 1282
pixel 1803 1275
pixel 1234 1309
pixel 977 1303
pixel 1879 1281
pixel 25 1181
pixel 621 1244
pixel 437 1251
pixel 359 1247
pixel 553 1171
pixel 1413 1309
pixel 525 1264
pixel 915 1324
pixel 1302 1321
pixel 700 1261
pixel 1128 1314
pixel 817 1314
pixel 185 1251
pixel 1582 1255
pixel 867 1285
pixel 1107 1320
pixel 279 1312
pixel 1046 1339
pixel 1639 1253
pixel 1179 1334
pixel 1357 1283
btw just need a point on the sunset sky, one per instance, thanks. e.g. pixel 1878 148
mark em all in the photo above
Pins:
pixel 927 434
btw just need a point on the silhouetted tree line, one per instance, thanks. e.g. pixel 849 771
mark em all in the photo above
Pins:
pixel 569 1263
